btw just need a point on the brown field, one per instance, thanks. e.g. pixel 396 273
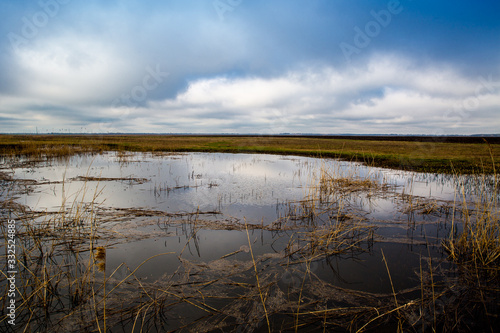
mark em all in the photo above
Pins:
pixel 425 154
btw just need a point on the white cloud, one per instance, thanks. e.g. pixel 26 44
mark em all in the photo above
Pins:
pixel 240 93
pixel 388 95
pixel 388 91
pixel 71 70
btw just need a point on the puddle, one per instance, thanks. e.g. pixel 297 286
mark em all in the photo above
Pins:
pixel 214 220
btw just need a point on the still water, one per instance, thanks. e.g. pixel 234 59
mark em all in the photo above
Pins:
pixel 236 187
pixel 213 213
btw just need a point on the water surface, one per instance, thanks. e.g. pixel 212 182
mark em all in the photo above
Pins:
pixel 212 212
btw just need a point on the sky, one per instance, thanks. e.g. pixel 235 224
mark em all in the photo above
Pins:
pixel 250 66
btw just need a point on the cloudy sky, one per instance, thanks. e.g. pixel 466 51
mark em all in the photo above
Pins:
pixel 250 66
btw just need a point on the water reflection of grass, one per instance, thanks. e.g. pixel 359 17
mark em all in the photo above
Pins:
pixel 474 245
pixel 66 287
pixel 425 154
pixel 56 267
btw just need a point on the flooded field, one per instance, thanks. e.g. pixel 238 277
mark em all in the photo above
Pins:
pixel 202 242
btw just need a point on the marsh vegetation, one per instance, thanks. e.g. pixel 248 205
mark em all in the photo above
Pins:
pixel 424 154
pixel 155 242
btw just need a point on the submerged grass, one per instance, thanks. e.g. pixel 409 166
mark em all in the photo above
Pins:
pixel 55 278
pixel 65 286
pixel 61 280
pixel 474 245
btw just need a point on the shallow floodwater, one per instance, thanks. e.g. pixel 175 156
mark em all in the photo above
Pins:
pixel 205 208
pixel 241 187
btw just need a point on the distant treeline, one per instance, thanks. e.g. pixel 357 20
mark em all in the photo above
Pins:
pixel 410 138
pixel 488 138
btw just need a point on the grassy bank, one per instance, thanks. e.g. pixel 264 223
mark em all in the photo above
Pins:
pixel 443 156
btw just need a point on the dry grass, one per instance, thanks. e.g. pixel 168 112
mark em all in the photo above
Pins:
pixel 474 245
pixel 428 156
pixel 477 244
pixel 62 281
pixel 65 285
pixel 130 180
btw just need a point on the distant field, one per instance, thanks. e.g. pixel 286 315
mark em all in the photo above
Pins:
pixel 426 154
